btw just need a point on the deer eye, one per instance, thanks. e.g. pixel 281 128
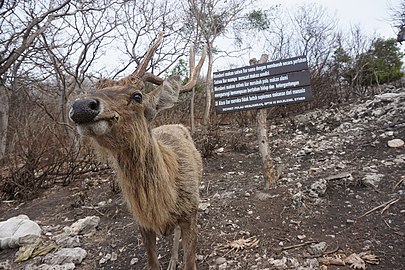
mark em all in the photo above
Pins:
pixel 137 97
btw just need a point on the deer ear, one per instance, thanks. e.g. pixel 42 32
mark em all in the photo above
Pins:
pixel 163 97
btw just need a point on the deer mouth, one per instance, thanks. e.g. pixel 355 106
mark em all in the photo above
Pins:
pixel 98 126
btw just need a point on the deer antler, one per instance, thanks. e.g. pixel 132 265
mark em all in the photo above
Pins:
pixel 140 73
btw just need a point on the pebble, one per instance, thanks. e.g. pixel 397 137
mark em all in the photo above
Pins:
pixel 396 143
pixel 220 260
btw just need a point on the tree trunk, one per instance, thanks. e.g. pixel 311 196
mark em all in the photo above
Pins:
pixel 208 88
pixel 192 124
pixel 4 112
pixel 267 162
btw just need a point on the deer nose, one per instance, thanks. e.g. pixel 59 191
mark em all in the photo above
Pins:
pixel 84 110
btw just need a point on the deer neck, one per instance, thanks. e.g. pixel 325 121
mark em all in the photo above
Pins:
pixel 146 171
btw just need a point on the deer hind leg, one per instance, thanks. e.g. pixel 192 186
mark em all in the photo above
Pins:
pixel 149 241
pixel 189 241
pixel 175 250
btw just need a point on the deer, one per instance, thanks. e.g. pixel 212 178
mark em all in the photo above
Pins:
pixel 159 170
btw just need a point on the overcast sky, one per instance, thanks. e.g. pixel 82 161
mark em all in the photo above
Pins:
pixel 372 15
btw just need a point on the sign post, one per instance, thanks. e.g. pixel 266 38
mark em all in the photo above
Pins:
pixel 259 86
pixel 262 85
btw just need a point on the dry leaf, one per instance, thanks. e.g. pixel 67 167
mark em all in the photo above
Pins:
pixel 369 258
pixel 355 261
pixel 242 243
pixel 331 261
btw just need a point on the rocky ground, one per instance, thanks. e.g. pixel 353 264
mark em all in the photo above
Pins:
pixel 339 201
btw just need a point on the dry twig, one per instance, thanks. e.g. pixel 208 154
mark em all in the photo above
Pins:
pixel 385 205
pixel 298 245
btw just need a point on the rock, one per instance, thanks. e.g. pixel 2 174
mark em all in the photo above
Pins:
pixel 261 196
pixel 317 249
pixel 66 255
pixel 372 179
pixel 396 143
pixel 18 231
pixel 5 265
pixel 319 187
pixel 66 240
pixel 280 263
pixel 344 175
pixel 65 266
pixel 84 226
pixel 134 261
pixel 312 263
pixel 350 221
pixel 220 260
pixel 204 206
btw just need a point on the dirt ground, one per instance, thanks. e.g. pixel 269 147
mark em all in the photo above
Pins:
pixel 321 196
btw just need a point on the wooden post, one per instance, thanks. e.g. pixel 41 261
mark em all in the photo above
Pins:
pixel 261 118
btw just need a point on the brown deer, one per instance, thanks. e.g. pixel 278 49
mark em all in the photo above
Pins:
pixel 159 169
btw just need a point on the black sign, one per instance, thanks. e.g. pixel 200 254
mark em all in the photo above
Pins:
pixel 263 85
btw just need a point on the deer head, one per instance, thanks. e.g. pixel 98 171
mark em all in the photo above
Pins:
pixel 115 108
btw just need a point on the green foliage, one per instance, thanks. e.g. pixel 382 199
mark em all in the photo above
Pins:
pixel 381 64
pixel 181 69
pixel 384 60
pixel 340 56
pixel 258 20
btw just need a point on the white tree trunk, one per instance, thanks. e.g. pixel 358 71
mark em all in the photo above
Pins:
pixel 263 140
pixel 206 118
pixel 4 112
pixel 192 123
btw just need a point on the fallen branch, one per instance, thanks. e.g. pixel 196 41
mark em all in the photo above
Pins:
pixel 298 245
pixel 385 205
pixel 399 183
pixel 388 205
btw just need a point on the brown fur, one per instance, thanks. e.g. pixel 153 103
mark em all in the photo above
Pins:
pixel 159 170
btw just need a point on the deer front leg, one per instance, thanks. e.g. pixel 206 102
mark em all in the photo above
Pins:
pixel 189 239
pixel 175 250
pixel 149 241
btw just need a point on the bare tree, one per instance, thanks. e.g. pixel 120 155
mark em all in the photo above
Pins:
pixel 142 21
pixel 21 23
pixel 398 20
pixel 316 30
pixel 212 18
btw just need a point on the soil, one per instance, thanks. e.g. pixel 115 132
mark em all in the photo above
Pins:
pixel 285 220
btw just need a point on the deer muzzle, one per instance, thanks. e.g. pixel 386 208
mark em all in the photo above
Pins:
pixel 84 111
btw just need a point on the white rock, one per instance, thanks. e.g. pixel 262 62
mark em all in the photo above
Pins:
pixel 85 225
pixel 114 256
pixel 204 206
pixel 66 255
pixel 372 179
pixel 317 249
pixel 18 231
pixel 134 261
pixel 220 260
pixel 66 240
pixel 65 266
pixel 396 143
pixel 5 265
